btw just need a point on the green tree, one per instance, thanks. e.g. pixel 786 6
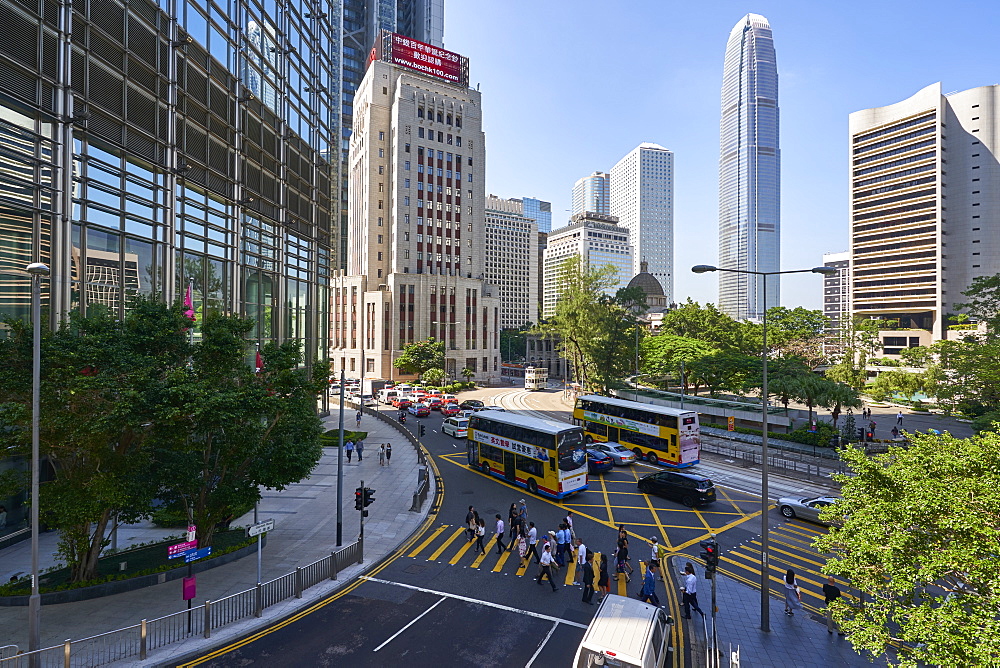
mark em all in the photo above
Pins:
pixel 797 332
pixel 514 343
pixel 724 371
pixel 984 301
pixel 223 431
pixel 468 373
pixel 890 383
pixel 918 538
pixel 420 356
pixel 433 376
pixel 839 396
pixel 859 342
pixel 665 354
pixel 103 380
pixel 708 323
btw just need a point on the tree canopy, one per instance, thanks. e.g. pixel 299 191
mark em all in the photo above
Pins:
pixel 420 356
pixel 919 536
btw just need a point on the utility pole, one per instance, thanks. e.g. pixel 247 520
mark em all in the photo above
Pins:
pixel 710 553
pixel 340 469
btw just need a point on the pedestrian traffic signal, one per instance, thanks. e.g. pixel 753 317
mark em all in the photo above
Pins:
pixel 369 497
pixel 710 553
pixel 861 434
pixel 420 430
pixel 358 498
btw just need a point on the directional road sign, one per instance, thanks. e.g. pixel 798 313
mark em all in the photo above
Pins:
pixel 180 549
pixel 260 527
pixel 195 555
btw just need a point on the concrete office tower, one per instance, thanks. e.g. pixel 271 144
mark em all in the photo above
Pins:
pixel 836 297
pixel 749 171
pixel 918 238
pixel 642 198
pixel 417 227
pixel 539 211
pixel 598 240
pixel 591 193
pixel 150 163
pixel 511 257
pixel 359 22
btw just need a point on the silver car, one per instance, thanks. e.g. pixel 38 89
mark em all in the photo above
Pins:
pixel 619 454
pixel 806 509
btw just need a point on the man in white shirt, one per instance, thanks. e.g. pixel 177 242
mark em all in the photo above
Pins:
pixel 690 590
pixel 500 530
pixel 532 543
pixel 581 558
pixel 546 564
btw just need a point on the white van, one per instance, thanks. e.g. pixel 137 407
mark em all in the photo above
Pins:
pixel 456 426
pixel 625 633
pixel 386 396
pixel 404 388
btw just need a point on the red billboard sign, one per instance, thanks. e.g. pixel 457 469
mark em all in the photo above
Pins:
pixel 427 58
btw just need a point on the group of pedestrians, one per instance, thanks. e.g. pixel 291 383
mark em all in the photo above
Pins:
pixel 384 452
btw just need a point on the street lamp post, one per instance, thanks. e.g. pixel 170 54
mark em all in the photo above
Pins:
pixel 37 271
pixel 765 586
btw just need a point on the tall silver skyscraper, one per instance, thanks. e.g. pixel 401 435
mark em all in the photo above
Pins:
pixel 591 193
pixel 749 170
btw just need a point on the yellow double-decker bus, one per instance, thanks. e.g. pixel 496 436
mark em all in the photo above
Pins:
pixel 658 434
pixel 547 458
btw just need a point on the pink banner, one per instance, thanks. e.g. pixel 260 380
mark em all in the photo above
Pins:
pixel 188 588
pixel 177 549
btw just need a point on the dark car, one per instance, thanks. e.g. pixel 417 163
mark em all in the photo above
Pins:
pixel 471 404
pixel 690 489
pixel 598 462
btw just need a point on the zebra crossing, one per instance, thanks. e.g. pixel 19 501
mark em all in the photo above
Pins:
pixel 450 544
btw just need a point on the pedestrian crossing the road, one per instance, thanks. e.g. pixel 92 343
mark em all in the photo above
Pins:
pixel 450 544
pixel 790 546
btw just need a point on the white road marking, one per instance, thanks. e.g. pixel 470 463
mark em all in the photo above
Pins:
pixel 540 647
pixel 412 622
pixel 468 599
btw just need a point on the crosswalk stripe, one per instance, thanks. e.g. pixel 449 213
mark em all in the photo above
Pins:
pixel 437 553
pixel 570 569
pixel 523 568
pixel 461 552
pixel 478 560
pixel 799 525
pixel 429 540
pixel 790 554
pixel 621 585
pixel 500 562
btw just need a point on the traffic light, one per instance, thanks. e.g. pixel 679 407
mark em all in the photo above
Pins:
pixel 358 498
pixel 710 553
pixel 861 434
pixel 369 497
pixel 420 430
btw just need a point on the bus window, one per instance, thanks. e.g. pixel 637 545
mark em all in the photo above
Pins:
pixel 529 465
pixel 596 428
pixel 571 452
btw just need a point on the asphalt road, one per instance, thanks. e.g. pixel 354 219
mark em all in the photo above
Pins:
pixel 437 603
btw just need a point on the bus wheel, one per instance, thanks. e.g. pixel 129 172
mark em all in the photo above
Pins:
pixel 588 439
pixel 532 486
pixel 652 458
pixel 485 466
pixel 638 454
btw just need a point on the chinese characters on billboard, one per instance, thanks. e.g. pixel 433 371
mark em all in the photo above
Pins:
pixel 426 58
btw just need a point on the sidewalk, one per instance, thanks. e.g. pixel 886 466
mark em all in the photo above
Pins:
pixel 800 641
pixel 305 516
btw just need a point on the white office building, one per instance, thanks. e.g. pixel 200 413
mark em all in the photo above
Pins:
pixel 749 171
pixel 925 209
pixel 598 240
pixel 511 260
pixel 591 193
pixel 416 212
pixel 642 198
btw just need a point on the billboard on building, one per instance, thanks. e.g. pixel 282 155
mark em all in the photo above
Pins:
pixel 422 57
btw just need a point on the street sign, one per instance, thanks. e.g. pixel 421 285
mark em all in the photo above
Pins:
pixel 179 549
pixel 732 424
pixel 195 555
pixel 191 532
pixel 260 527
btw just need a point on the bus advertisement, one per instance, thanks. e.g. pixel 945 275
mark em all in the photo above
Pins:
pixel 547 458
pixel 658 434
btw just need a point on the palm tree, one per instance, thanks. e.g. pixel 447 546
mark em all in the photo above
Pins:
pixel 839 396
pixel 468 374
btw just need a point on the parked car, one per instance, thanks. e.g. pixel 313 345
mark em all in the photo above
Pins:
pixel 598 462
pixel 690 489
pixel 470 404
pixel 434 403
pixel 619 454
pixel 806 509
pixel 457 427
pixel 449 410
pixel 420 410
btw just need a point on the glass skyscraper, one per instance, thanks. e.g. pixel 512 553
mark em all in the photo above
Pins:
pixel 749 170
pixel 591 193
pixel 540 211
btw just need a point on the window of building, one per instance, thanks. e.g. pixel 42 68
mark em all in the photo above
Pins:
pixel 420 135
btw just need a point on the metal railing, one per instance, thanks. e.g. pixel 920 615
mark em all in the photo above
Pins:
pixel 199 621
pixel 799 463
pixel 13 537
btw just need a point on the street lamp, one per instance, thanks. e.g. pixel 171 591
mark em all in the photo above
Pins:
pixel 37 271
pixel 765 585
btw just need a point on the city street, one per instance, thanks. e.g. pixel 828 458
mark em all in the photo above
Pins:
pixel 438 602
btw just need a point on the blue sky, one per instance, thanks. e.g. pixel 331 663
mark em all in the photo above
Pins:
pixel 569 87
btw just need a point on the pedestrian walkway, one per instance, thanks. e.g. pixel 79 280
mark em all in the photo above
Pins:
pixel 305 516
pixel 801 641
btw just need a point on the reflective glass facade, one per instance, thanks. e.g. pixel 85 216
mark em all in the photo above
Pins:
pixel 591 193
pixel 749 170
pixel 539 211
